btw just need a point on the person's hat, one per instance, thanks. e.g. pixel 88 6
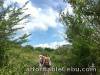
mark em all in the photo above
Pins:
pixel 40 55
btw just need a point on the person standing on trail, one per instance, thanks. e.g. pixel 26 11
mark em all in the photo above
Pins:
pixel 47 62
pixel 41 61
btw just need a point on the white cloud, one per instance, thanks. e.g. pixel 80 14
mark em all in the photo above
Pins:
pixel 53 45
pixel 40 18
pixel 68 9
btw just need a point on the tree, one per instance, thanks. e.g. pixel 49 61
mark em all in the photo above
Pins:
pixel 83 32
pixel 10 16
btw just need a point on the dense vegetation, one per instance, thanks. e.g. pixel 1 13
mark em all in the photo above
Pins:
pixel 21 59
pixel 83 31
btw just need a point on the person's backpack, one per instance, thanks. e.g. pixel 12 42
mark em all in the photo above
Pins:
pixel 46 61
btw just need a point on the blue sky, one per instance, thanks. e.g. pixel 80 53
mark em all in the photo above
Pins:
pixel 43 23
